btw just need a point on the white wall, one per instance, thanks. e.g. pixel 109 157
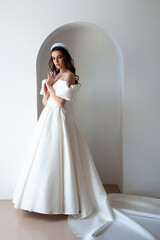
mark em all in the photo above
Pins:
pixel 135 25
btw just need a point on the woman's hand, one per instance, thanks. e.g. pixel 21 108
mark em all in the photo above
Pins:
pixel 51 78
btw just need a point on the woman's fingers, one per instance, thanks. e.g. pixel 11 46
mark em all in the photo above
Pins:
pixel 51 75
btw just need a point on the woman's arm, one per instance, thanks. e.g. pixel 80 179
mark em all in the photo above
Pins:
pixel 45 98
pixel 46 95
pixel 59 100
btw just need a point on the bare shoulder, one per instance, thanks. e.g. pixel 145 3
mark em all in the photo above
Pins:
pixel 70 78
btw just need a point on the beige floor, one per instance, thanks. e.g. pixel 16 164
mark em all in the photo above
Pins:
pixel 18 224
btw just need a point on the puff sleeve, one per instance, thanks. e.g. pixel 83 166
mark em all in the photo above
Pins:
pixel 42 87
pixel 64 91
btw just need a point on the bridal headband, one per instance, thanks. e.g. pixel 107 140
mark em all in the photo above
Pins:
pixel 59 45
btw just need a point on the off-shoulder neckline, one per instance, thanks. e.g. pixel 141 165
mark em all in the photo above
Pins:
pixel 72 85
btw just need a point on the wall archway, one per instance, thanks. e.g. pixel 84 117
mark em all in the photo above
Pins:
pixel 99 63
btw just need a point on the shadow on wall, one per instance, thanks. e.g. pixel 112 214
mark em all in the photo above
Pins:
pixel 99 64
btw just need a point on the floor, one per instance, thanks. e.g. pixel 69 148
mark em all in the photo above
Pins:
pixel 17 224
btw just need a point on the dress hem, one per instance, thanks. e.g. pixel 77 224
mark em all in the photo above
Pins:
pixel 42 212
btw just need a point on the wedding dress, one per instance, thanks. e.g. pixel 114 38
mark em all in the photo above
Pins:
pixel 59 177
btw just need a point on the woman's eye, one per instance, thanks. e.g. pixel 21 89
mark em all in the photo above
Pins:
pixel 54 58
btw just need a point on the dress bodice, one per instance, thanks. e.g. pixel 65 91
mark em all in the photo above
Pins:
pixel 62 90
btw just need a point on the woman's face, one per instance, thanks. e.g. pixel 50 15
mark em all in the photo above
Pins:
pixel 58 59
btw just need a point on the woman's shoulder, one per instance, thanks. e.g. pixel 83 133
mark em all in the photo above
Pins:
pixel 69 77
pixel 68 74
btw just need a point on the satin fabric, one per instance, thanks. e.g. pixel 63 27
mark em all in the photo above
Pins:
pixel 59 177
pixel 135 218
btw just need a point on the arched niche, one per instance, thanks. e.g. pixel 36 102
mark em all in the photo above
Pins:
pixel 99 63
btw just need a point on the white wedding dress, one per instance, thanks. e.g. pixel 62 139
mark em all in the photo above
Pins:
pixel 59 177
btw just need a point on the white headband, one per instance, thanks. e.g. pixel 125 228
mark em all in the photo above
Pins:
pixel 59 45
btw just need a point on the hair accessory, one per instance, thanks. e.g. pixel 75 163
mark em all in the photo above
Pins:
pixel 59 45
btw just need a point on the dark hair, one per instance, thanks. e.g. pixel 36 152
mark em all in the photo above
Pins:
pixel 68 61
